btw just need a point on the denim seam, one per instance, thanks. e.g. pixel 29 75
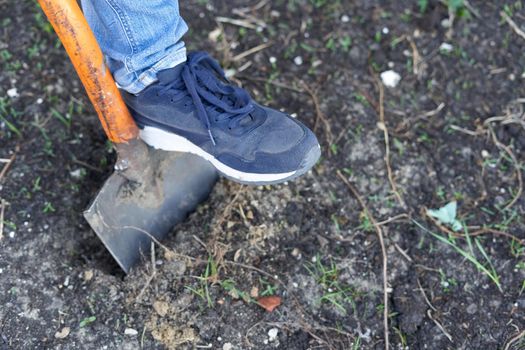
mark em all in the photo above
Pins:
pixel 149 76
pixel 124 22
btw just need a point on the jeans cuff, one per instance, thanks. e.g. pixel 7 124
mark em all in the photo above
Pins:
pixel 149 76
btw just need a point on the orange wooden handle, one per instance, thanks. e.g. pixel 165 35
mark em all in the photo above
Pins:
pixel 83 50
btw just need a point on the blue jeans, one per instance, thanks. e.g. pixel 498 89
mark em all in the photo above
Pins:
pixel 138 37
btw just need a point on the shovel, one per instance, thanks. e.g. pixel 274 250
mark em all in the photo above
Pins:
pixel 150 190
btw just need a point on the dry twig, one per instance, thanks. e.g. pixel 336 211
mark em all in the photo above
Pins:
pixel 382 126
pixel 236 22
pixel 152 275
pixel 403 253
pixel 251 51
pixel 479 232
pixel 3 204
pixel 418 65
pixel 8 163
pixel 514 339
pixel 227 210
pixel 425 296
pixel 512 24
pixel 440 326
pixel 320 115
pixel 379 232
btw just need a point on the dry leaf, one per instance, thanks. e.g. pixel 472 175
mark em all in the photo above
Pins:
pixel 269 303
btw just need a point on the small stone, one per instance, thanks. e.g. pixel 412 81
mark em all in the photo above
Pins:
pixel 254 292
pixel 316 63
pixel 345 19
pixel 227 346
pixel 298 60
pixel 273 60
pixel 485 153
pixel 386 30
pixel 472 309
pixel 63 333
pixel 390 78
pixel 446 47
pixel 77 173
pixel 130 331
pixel 296 253
pixel 272 334
pixel 12 93
pixel 88 275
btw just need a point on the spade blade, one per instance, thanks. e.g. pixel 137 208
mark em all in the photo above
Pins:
pixel 155 191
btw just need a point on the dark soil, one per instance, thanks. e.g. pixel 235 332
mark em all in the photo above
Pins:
pixel 309 241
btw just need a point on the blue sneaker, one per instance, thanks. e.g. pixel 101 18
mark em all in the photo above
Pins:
pixel 193 108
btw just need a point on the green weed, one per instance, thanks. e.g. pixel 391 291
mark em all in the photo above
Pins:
pixel 487 268
pixel 335 292
pixel 203 288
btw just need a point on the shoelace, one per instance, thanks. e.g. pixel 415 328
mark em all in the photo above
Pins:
pixel 201 78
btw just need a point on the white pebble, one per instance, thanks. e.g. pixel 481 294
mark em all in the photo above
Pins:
pixel 386 30
pixel 446 47
pixel 272 334
pixel 40 100
pixel 130 331
pixel 12 93
pixel 227 346
pixel 345 19
pixel 446 23
pixel 77 174
pixel 485 153
pixel 12 234
pixel 298 60
pixel 390 78
pixel 273 60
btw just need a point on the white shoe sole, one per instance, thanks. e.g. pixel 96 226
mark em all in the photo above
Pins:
pixel 167 141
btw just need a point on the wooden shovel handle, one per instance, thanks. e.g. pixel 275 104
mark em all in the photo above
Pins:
pixel 87 58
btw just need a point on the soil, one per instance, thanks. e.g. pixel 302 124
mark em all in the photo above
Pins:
pixel 309 242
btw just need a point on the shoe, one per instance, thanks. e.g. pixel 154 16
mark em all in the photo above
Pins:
pixel 194 108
